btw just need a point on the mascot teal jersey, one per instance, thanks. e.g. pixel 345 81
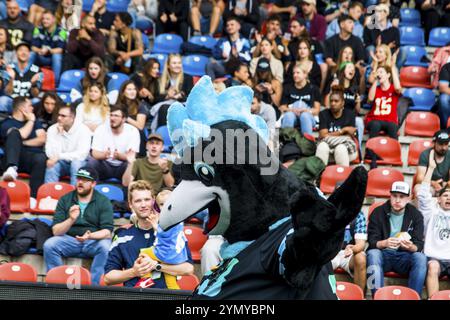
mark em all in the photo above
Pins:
pixel 280 233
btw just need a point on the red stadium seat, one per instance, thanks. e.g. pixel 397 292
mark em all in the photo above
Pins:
pixel 54 190
pixel 189 282
pixel 196 240
pixel 73 275
pixel 448 122
pixel 348 291
pixel 415 77
pixel 415 149
pixel 48 82
pixel 422 124
pixel 380 181
pixel 19 195
pixel 387 148
pixel 441 295
pixel 396 293
pixel 331 175
pixel 16 271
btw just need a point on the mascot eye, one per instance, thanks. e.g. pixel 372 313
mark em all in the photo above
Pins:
pixel 204 171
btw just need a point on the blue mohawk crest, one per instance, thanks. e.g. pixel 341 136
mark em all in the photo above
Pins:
pixel 204 108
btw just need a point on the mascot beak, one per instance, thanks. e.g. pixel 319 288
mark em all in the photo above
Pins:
pixel 192 197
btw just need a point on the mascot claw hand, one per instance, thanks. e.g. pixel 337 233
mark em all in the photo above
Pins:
pixel 280 233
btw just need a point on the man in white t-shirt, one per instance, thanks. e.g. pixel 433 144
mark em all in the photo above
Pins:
pixel 112 143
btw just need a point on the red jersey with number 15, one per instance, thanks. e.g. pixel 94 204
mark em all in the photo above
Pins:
pixel 384 107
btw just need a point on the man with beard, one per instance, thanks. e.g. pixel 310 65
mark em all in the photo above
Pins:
pixel 18 27
pixel 82 226
pixel 114 142
pixel 440 177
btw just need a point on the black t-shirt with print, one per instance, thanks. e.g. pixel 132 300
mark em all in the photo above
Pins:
pixel 308 94
pixel 327 121
pixel 334 44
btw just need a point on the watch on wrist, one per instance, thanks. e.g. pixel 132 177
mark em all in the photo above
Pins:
pixel 158 267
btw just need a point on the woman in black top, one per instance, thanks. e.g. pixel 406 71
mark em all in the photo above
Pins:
pixel 47 110
pixel 266 84
pixel 147 82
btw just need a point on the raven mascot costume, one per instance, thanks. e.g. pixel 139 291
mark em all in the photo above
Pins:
pixel 280 233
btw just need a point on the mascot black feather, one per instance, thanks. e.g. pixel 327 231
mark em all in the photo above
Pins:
pixel 280 233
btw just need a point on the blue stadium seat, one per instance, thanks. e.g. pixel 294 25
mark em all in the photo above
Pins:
pixel 423 99
pixel 24 5
pixel 414 55
pixel 412 36
pixel 145 42
pixel 409 17
pixel 113 193
pixel 167 43
pixel 319 58
pixel 116 81
pixel 164 132
pixel 206 41
pixel 65 97
pixel 161 57
pixel 368 3
pixel 69 79
pixel 194 65
pixel 87 5
pixel 117 5
pixel 439 37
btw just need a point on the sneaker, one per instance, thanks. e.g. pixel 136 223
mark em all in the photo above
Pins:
pixel 10 174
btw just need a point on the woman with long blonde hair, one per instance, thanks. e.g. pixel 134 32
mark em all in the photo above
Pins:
pixel 94 110
pixel 381 58
pixel 174 84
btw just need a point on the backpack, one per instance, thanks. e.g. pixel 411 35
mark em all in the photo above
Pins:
pixel 307 147
pixel 308 168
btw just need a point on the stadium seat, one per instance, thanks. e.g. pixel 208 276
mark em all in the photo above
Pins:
pixel 54 190
pixel 70 275
pixel 415 149
pixel 16 271
pixel 380 181
pixel 414 55
pixel 421 124
pixel 410 35
pixel 196 240
pixel 348 291
pixel 24 5
pixel 117 5
pixel 116 81
pixel 48 81
pixel 369 3
pixel 69 80
pixel 319 58
pixel 205 41
pixel 423 99
pixel 410 17
pixel 387 148
pixel 441 295
pixel 164 132
pixel 167 43
pixel 189 282
pixel 65 97
pixel 439 37
pixel 413 76
pixel 396 293
pixel 87 5
pixel 331 175
pixel 372 207
pixel 113 193
pixel 19 195
pixel 194 65
pixel 161 57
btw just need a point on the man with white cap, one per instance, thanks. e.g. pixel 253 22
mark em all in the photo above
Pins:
pixel 396 240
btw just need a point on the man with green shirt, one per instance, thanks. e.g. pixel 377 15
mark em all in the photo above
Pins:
pixel 82 226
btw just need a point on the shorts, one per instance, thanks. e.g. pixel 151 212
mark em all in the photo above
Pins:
pixel 340 261
pixel 444 266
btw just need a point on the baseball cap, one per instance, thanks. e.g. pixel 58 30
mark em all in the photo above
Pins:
pixel 22 43
pixel 263 64
pixel 87 173
pixel 155 136
pixel 441 136
pixel 313 2
pixel 400 187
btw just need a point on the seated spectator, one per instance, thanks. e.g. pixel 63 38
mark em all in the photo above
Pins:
pixel 380 57
pixel 46 110
pixel 154 168
pixel 232 46
pixel 286 9
pixel 396 241
pixel 266 84
pixel 147 81
pixel 24 140
pixel 94 109
pixel 206 16
pixel 444 94
pixel 37 9
pixel 335 9
pixel 440 178
pixel 246 11
pixel 68 14
pixel 264 110
pixel 437 239
pixel 306 58
pixel 113 143
pixel 274 33
pixel 300 100
pixel 241 74
pixel 174 84
pixel 173 17
pixel 125 45
pixel 82 226
pixel 7 53
pixel 394 11
pixel 48 44
pixel 299 32
pixel 144 12
pixel 67 147
pixel 445 19
pixel 126 264
pixel 336 131
pixel 267 49
pixel 315 23
pixel 5 210
pixel 20 30
pixel 83 44
pixel 429 15
pixel 23 79
pixel 384 98
pixel 355 11
pixel 103 18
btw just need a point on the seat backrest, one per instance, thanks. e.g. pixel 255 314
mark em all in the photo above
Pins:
pixel 111 192
pixel 70 275
pixel 396 293
pixel 409 17
pixel 439 37
pixel 19 195
pixel 194 65
pixel 87 5
pixel 423 124
pixel 189 282
pixel 116 81
pixel 331 175
pixel 70 79
pixel 410 35
pixel 196 239
pixel 441 295
pixel 348 291
pixel 319 58
pixel 206 41
pixel 167 43
pixel 422 98
pixel 54 190
pixel 387 148
pixel 17 271
pixel 414 53
pixel 415 76
pixel 161 57
pixel 415 149
pixel 117 5
pixel 372 207
pixel 380 181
